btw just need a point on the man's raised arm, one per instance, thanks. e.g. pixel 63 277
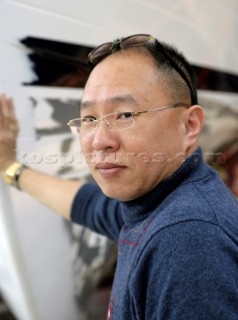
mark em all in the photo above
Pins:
pixel 54 192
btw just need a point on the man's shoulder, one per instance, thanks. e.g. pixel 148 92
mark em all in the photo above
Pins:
pixel 205 204
pixel 206 199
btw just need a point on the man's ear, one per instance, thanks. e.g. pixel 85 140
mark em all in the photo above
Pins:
pixel 194 123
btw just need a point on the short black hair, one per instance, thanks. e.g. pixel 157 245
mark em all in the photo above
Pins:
pixel 176 67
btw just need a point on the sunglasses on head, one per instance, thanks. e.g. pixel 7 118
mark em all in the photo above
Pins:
pixel 105 49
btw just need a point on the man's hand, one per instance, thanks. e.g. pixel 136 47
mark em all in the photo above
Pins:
pixel 8 133
pixel 54 192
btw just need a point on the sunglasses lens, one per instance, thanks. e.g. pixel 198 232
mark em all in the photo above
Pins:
pixel 137 40
pixel 98 53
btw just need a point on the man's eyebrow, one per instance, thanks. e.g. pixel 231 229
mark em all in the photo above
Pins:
pixel 125 98
pixel 119 99
pixel 85 104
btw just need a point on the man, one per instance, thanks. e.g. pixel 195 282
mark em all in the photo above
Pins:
pixel 175 222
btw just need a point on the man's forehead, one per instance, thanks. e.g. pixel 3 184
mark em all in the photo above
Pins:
pixel 119 79
pixel 118 99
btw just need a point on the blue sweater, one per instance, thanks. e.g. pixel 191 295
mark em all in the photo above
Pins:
pixel 177 246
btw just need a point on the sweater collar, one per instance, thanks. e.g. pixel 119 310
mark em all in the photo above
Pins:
pixel 139 209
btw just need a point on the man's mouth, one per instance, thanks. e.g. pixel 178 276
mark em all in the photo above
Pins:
pixel 108 169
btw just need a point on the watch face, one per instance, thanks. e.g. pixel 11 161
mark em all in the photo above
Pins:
pixel 11 172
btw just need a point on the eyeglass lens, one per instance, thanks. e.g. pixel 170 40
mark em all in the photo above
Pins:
pixel 114 122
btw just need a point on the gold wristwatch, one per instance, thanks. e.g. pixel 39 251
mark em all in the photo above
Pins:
pixel 13 172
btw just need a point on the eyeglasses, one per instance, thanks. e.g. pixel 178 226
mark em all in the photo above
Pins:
pixel 115 121
pixel 105 49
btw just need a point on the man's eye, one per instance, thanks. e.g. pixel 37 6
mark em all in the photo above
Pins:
pixel 88 120
pixel 125 115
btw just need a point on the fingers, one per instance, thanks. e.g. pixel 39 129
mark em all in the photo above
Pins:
pixel 1 110
pixel 7 113
pixel 4 110
pixel 11 109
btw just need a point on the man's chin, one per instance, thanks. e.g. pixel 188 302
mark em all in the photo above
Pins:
pixel 119 193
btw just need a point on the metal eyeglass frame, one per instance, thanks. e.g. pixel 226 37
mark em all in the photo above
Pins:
pixel 95 122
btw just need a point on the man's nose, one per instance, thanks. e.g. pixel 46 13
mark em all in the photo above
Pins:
pixel 103 137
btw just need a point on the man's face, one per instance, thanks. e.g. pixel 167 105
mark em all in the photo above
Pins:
pixel 129 163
